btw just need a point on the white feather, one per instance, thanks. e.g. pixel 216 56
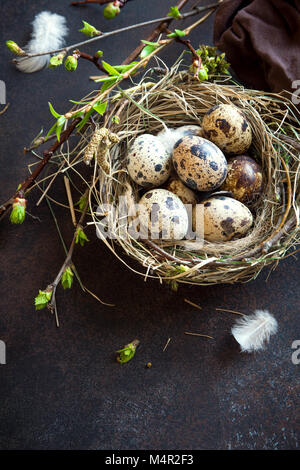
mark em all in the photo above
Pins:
pixel 252 332
pixel 49 31
pixel 168 137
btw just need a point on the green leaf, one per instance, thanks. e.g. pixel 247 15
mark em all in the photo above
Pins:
pixel 107 79
pixel 126 354
pixel 147 51
pixel 52 111
pixel 89 30
pixel 82 202
pixel 177 34
pixel 67 278
pixel 174 13
pixel 42 300
pixel 149 43
pixel 81 237
pixel 55 61
pixel 50 131
pixel 85 119
pixel 59 125
pixel 17 215
pixel 110 69
pixel 125 68
pixel 100 107
pixel 107 83
pixel 80 102
pixel 71 63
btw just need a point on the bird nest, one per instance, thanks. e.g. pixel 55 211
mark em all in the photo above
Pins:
pixel 176 100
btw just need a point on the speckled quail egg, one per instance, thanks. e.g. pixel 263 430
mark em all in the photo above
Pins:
pixel 169 137
pixel 148 162
pixel 176 186
pixel 200 164
pixel 227 127
pixel 244 179
pixel 162 215
pixel 225 218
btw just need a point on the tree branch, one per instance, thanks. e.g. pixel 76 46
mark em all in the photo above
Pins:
pixel 47 154
pixel 153 35
pixel 167 19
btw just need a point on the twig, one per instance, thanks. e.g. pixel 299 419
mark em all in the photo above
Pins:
pixel 99 2
pixel 230 311
pixel 167 344
pixel 192 303
pixel 70 199
pixel 4 109
pixel 191 13
pixel 31 178
pixel 197 334
pixel 94 59
pixel 153 35
pixel 67 262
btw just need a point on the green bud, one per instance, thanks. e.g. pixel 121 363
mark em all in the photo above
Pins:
pixel 89 30
pixel 81 237
pixel 56 60
pixel 115 119
pixel 99 54
pixel 42 299
pixel 71 63
pixel 17 215
pixel 67 278
pixel 203 73
pixel 82 202
pixel 13 47
pixel 127 353
pixel 111 10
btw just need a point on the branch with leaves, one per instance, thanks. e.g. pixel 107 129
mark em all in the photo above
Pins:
pixel 116 74
pixel 47 297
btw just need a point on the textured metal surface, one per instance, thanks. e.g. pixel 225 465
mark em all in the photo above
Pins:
pixel 61 388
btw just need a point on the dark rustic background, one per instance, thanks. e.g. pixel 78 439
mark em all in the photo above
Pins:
pixel 61 388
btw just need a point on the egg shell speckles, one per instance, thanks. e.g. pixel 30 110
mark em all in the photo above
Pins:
pixel 200 164
pixel 244 179
pixel 227 127
pixel 148 162
pixel 163 214
pixel 225 219
pixel 176 186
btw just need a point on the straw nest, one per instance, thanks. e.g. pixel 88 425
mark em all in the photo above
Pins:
pixel 178 99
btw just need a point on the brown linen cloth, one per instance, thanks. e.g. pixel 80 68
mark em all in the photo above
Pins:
pixel 261 39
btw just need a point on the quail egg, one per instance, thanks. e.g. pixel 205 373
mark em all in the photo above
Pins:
pixel 176 186
pixel 162 215
pixel 227 127
pixel 200 164
pixel 244 179
pixel 148 162
pixel 225 218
